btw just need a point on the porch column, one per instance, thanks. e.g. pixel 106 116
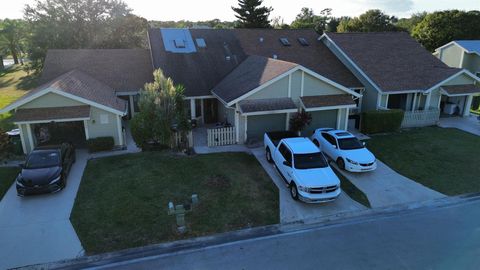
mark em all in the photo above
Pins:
pixel 22 138
pixel 237 123
pixel 85 126
pixel 427 101
pixel 287 122
pixel 414 101
pixel 192 109
pixel 202 110
pixel 132 108
pixel 346 118
pixel 468 105
pixel 339 118
pixel 30 137
pixel 120 130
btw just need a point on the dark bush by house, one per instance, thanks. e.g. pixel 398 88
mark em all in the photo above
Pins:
pixel 100 144
pixel 381 121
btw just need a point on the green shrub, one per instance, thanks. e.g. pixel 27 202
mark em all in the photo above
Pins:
pixel 381 121
pixel 100 144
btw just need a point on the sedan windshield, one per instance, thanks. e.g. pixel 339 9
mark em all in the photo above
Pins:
pixel 42 159
pixel 350 144
pixel 310 161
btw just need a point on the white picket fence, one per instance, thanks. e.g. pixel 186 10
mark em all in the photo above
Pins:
pixel 421 118
pixel 221 136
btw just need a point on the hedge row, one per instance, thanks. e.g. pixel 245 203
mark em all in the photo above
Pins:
pixel 100 144
pixel 381 121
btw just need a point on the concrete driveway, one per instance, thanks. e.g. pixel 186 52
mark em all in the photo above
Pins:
pixel 37 229
pixel 469 124
pixel 385 187
pixel 293 211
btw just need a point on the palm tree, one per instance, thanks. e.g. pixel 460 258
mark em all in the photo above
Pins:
pixel 11 37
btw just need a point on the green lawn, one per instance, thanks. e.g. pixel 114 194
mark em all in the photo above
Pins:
pixel 352 191
pixel 14 83
pixel 122 201
pixel 7 177
pixel 445 160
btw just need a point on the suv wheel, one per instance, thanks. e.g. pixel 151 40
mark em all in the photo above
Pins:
pixel 294 191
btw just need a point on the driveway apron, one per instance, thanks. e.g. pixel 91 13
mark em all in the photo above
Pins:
pixel 385 187
pixel 37 229
pixel 294 211
pixel 468 124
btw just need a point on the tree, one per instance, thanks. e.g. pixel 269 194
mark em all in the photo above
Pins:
pixel 251 14
pixel 278 23
pixel 74 24
pixel 407 24
pixel 439 28
pixel 12 33
pixel 299 121
pixel 371 21
pixel 306 19
pixel 162 112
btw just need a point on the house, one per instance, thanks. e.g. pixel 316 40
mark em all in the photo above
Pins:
pixel 241 83
pixel 83 94
pixel 398 73
pixel 461 54
pixel 255 79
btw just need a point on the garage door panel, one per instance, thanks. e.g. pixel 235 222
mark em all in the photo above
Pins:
pixel 321 119
pixel 259 124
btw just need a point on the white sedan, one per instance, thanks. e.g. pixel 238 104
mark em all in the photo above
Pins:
pixel 345 149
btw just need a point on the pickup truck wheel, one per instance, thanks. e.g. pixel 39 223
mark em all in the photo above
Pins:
pixel 294 191
pixel 317 144
pixel 268 155
pixel 341 163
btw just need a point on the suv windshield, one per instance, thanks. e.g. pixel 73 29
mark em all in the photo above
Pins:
pixel 310 161
pixel 349 144
pixel 42 159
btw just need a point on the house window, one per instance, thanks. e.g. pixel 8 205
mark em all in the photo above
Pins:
pixel 103 119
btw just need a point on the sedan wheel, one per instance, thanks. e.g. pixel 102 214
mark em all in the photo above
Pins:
pixel 341 163
pixel 268 155
pixel 294 191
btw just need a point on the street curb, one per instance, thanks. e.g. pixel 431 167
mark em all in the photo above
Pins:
pixel 193 244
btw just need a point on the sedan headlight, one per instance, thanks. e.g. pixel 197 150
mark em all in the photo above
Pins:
pixel 19 181
pixel 55 180
pixel 352 162
pixel 304 189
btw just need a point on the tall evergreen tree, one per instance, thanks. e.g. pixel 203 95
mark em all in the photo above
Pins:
pixel 251 14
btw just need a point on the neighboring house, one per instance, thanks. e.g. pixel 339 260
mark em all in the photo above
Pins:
pixel 398 73
pixel 83 94
pixel 461 54
pixel 254 79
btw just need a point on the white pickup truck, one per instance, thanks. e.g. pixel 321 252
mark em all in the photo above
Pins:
pixel 302 166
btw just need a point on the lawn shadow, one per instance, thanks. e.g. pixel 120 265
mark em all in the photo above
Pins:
pixel 28 82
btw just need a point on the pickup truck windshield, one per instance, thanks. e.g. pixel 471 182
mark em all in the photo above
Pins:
pixel 310 161
pixel 350 144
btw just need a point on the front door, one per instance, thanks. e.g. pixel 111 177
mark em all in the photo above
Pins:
pixel 210 109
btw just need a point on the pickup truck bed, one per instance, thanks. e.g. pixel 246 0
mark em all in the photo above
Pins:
pixel 277 136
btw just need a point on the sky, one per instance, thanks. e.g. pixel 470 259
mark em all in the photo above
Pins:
pixel 166 10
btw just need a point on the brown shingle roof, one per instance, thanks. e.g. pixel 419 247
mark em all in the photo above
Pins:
pixel 52 113
pixel 121 69
pixel 79 84
pixel 250 74
pixel 201 71
pixel 326 101
pixel 461 89
pixel 262 105
pixel 393 60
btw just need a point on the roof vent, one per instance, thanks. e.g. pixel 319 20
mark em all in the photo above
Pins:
pixel 261 39
pixel 303 41
pixel 285 41
pixel 179 43
pixel 228 58
pixel 275 56
pixel 201 42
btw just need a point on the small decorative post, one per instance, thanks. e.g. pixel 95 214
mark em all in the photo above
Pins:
pixel 180 210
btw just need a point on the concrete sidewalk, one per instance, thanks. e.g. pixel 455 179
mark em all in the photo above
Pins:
pixel 385 187
pixel 37 229
pixel 293 211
